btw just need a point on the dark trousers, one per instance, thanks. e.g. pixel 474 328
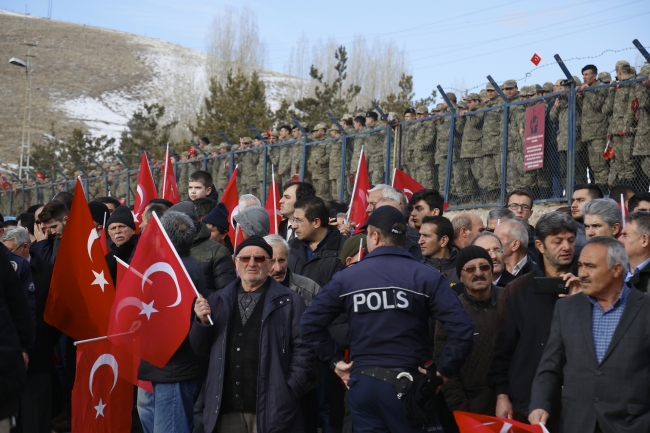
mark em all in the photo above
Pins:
pixel 375 407
pixel 36 404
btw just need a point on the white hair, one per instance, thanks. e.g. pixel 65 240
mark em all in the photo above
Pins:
pixel 248 200
pixel 20 235
pixel 276 241
pixel 387 191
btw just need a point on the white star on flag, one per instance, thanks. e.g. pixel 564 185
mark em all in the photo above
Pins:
pixel 99 280
pixel 148 309
pixel 100 408
pixel 135 217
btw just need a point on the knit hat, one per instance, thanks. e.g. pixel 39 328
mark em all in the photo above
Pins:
pixel 122 215
pixel 98 210
pixel 187 207
pixel 254 220
pixel 218 217
pixel 470 253
pixel 255 241
pixel 351 247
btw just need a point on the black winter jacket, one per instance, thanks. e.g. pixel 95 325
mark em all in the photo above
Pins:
pixel 446 267
pixel 12 292
pixel 323 264
pixel 184 364
pixel 124 252
pixel 215 260
pixel 12 366
pixel 641 280
pixel 469 391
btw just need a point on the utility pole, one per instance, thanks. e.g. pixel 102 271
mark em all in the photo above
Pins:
pixel 25 148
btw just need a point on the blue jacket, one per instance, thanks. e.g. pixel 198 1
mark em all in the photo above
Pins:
pixel 285 362
pixel 389 298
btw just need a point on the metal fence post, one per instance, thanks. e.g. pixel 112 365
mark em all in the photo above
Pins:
pixel 571 145
pixel 450 143
pixel 642 50
pixel 344 151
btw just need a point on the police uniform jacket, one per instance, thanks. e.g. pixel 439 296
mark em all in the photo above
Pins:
pixel 389 298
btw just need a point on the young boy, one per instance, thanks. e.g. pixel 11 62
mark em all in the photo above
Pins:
pixel 200 186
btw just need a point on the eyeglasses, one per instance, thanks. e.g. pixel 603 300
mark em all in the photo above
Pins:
pixel 257 259
pixel 495 251
pixel 472 269
pixel 514 206
pixel 296 221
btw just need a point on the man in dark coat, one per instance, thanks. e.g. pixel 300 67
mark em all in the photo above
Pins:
pixel 636 238
pixel 121 229
pixel 491 243
pixel 259 367
pixel 176 386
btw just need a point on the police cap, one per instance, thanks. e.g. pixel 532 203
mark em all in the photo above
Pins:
pixel 388 219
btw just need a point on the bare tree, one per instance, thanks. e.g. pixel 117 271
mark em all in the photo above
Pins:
pixel 234 43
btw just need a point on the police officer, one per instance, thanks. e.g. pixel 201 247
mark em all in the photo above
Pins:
pixel 389 299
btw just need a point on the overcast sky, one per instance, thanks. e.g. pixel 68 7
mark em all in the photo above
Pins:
pixel 454 44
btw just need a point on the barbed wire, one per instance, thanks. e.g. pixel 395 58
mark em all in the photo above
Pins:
pixel 530 73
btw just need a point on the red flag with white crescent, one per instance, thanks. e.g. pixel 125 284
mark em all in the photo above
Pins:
pixel 273 206
pixel 406 183
pixel 101 397
pixel 146 191
pixel 169 186
pixel 81 290
pixel 475 423
pixel 230 198
pixel 359 203
pixel 153 303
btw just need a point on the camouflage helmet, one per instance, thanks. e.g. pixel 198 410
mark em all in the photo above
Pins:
pixel 489 86
pixel 577 80
pixel 275 134
pixel 605 77
pixel 185 154
pixel 210 148
pixel 246 140
pixel 548 86
pixel 224 145
pixel 441 107
pixel 235 146
pixel 347 116
pixel 536 88
pixel 421 109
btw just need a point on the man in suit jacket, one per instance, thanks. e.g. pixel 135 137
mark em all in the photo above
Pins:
pixel 598 353
pixel 636 238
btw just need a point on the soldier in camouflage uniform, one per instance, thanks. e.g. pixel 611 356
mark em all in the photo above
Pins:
pixel 335 158
pixel 296 151
pixel 443 128
pixel 605 77
pixel 619 108
pixel 95 185
pixel 515 148
pixel 375 149
pixel 471 153
pixel 593 125
pixel 119 182
pixel 258 159
pixel 641 150
pixel 318 162
pixel 409 131
pixel 247 167
pixel 283 170
pixel 221 168
pixel 491 142
pixel 183 175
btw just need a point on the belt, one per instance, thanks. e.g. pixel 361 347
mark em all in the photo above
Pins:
pixel 399 378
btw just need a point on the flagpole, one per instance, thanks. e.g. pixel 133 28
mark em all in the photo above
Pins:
pixel 354 188
pixel 275 201
pixel 623 210
pixel 165 174
pixel 95 339
pixel 127 266
pixel 393 182
pixel 179 260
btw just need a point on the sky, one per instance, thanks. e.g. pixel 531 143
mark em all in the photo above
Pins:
pixel 454 44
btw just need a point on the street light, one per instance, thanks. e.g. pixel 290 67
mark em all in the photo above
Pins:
pixel 25 148
pixel 17 62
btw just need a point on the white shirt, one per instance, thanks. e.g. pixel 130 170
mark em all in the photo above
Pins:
pixel 520 265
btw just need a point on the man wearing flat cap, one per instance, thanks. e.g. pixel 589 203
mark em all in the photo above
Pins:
pixel 259 366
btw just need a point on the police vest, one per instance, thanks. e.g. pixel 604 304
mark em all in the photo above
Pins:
pixel 381 299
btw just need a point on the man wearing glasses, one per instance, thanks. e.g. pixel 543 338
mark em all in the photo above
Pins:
pixel 480 298
pixel 259 366
pixel 521 203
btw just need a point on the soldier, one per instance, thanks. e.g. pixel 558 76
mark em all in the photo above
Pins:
pixel 318 162
pixel 221 173
pixel 358 142
pixel 491 143
pixel 642 140
pixel 548 87
pixel 620 108
pixel 443 128
pixel 335 159
pixel 283 170
pixel 471 152
pixel 183 175
pixel 515 148
pixel 560 114
pixel 605 77
pixel 375 147
pixel 247 166
pixel 484 98
pixel 203 142
pixel 593 125
pixel 95 185
pixel 409 131
pixel 423 161
pixel 258 161
pixel 119 186
pixel 296 152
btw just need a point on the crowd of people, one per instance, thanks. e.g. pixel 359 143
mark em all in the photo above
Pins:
pixel 609 113
pixel 336 327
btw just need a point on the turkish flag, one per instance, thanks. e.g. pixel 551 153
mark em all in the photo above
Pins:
pixel 474 423
pixel 151 314
pixel 81 290
pixel 169 186
pixel 406 183
pixel 608 153
pixel 273 206
pixel 230 198
pixel 536 59
pixel 101 397
pixel 359 203
pixel 103 242
pixel 146 191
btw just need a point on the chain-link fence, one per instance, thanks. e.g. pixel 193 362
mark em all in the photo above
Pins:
pixel 475 154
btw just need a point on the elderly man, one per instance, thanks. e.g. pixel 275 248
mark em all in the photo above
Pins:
pixel 466 227
pixel 468 390
pixel 636 238
pixel 121 229
pixel 176 386
pixel 280 270
pixel 602 217
pixel 527 318
pixel 496 216
pixel 514 238
pixel 259 366
pixel 253 220
pixel 378 192
pixel 491 243
pixel 594 355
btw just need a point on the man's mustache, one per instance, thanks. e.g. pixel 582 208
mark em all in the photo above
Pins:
pixel 479 278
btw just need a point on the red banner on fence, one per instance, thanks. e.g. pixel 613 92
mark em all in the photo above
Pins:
pixel 534 137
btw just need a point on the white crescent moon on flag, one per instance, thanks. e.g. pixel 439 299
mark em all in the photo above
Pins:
pixel 166 268
pixel 105 359
pixel 92 237
pixel 139 192
pixel 235 211
pixel 408 193
pixel 129 300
